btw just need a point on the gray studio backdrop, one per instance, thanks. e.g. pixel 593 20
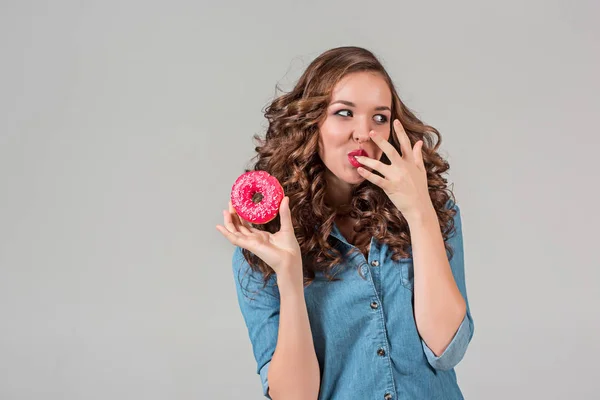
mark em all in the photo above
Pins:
pixel 123 125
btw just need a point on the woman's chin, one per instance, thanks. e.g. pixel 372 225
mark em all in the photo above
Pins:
pixel 348 175
pixel 353 177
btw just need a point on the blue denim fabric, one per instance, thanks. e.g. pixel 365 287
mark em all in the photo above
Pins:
pixel 363 327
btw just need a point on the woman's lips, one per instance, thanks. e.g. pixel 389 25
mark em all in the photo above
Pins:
pixel 353 160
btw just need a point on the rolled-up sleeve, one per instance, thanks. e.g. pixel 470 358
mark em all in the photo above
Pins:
pixel 260 309
pixel 457 348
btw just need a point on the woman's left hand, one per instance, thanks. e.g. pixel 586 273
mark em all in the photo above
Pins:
pixel 405 179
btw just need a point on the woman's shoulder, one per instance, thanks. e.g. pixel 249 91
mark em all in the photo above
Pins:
pixel 452 204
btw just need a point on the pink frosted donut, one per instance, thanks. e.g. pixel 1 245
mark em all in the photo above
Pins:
pixel 256 196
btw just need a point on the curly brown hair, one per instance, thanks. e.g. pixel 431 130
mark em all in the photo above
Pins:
pixel 289 152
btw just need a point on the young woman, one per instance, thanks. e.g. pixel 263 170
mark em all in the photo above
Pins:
pixel 357 289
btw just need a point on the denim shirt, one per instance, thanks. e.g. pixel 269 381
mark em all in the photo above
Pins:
pixel 363 327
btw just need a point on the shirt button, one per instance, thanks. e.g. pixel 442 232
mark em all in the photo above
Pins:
pixel 375 263
pixel 381 352
pixel 374 305
pixel 387 396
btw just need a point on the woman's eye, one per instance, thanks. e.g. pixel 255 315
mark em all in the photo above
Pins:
pixel 383 119
pixel 344 111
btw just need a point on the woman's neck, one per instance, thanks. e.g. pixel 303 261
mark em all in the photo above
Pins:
pixel 339 193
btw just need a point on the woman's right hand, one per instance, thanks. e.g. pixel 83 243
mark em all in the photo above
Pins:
pixel 279 250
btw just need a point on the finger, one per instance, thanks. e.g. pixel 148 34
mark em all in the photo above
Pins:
pixel 228 222
pixel 234 239
pixel 245 226
pixel 374 164
pixel 418 153
pixel 234 217
pixel 249 227
pixel 238 221
pixel 404 140
pixel 245 230
pixel 371 177
pixel 286 215
pixel 238 239
pixel 386 147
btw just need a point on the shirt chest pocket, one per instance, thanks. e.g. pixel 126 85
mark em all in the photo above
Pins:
pixel 407 272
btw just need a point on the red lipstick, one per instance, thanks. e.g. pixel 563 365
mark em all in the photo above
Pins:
pixel 354 161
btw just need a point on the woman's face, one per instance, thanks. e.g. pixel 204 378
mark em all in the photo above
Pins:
pixel 360 102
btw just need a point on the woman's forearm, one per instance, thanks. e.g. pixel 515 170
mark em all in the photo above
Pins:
pixel 438 303
pixel 294 371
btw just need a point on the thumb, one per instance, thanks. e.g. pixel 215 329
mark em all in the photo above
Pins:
pixel 286 215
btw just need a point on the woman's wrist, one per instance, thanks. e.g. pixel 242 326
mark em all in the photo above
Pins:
pixel 290 280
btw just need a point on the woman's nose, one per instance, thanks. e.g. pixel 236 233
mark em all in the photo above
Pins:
pixel 362 138
pixel 361 133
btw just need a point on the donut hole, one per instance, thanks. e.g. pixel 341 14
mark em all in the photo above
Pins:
pixel 257 197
